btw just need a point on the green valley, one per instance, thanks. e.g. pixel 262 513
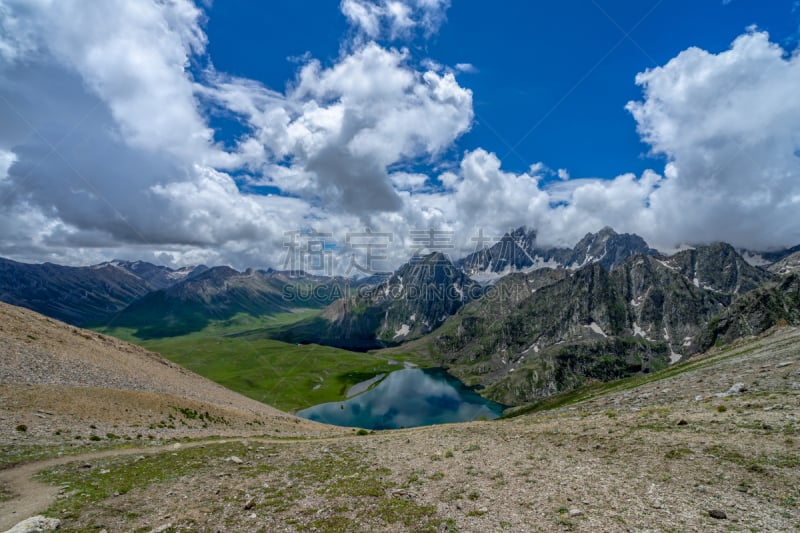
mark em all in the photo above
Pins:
pixel 236 354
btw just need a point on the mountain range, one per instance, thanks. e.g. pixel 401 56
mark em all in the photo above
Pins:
pixel 554 331
pixel 413 301
pixel 84 295
pixel 518 251
pixel 523 321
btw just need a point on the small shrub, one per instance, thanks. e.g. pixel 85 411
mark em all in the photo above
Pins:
pixel 721 408
pixel 677 453
pixel 22 428
pixel 362 432
pixel 448 454
pixel 94 438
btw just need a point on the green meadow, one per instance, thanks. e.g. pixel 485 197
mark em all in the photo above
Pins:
pixel 236 354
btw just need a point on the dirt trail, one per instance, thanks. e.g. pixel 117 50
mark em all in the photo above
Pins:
pixel 31 497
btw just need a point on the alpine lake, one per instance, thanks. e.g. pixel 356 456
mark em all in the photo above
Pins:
pixel 406 398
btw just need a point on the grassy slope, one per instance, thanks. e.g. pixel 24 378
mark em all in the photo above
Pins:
pixel 286 376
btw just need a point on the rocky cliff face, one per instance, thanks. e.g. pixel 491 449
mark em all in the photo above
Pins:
pixel 786 265
pixel 592 324
pixel 413 301
pixel 776 303
pixel 518 251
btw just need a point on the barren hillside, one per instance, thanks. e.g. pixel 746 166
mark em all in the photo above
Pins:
pixel 707 445
pixel 58 378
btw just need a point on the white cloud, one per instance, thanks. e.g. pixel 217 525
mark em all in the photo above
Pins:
pixel 7 159
pixel 108 151
pixel 728 125
pixel 468 68
pixel 406 181
pixel 395 19
pixel 341 127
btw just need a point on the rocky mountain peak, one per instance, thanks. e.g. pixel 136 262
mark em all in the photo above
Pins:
pixel 718 267
pixel 518 251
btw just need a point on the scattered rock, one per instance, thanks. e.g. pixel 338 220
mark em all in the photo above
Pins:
pixel 85 466
pixel 718 514
pixel 783 364
pixel 235 460
pixel 36 523
pixel 574 513
pixel 736 388
pixel 249 504
pixel 682 422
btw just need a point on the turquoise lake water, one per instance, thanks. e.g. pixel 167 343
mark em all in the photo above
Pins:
pixel 408 398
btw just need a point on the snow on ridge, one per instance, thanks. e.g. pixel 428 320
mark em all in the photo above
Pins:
pixel 402 331
pixel 594 326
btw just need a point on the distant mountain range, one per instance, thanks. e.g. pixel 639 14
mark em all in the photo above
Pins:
pixel 523 320
pixel 83 295
pixel 220 293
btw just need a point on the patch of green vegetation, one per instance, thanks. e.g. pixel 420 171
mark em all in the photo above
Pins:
pixel 457 494
pixel 5 494
pixel 287 376
pixel 14 454
pixel 22 428
pixel 677 453
pixel 408 513
pixel 332 524
pixel 755 463
pixel 127 473
pixel 341 476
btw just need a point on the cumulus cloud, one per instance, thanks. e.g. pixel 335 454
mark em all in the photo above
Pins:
pixel 340 127
pixel 106 149
pixel 727 124
pixel 394 19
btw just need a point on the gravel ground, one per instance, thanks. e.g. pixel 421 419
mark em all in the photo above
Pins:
pixel 711 449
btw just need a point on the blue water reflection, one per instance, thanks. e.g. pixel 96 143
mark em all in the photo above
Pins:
pixel 408 398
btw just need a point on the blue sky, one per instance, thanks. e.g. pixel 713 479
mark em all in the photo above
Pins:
pixel 184 132
pixel 552 78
